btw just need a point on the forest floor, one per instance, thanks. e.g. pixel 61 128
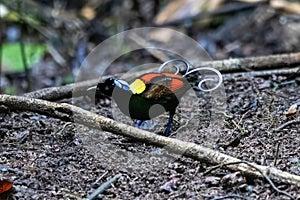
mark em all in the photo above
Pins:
pixel 47 158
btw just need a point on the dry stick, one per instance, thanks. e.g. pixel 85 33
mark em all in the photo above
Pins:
pixel 263 173
pixel 276 152
pixel 255 63
pixel 103 187
pixel 106 172
pixel 295 121
pixel 225 66
pixel 71 113
pixel 63 128
pixel 263 73
pixel 231 196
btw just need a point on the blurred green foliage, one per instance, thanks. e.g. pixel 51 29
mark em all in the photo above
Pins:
pixel 12 57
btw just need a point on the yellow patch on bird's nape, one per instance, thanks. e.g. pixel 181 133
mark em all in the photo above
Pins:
pixel 137 86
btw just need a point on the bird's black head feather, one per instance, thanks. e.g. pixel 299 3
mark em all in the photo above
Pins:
pixel 106 88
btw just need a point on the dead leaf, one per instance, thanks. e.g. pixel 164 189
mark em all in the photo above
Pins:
pixel 5 185
pixel 292 7
pixel 170 185
pixel 181 9
pixel 233 179
pixel 292 110
pixel 88 12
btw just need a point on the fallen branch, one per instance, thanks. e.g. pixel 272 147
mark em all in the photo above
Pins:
pixel 103 187
pixel 68 112
pixel 225 66
pixel 61 92
pixel 264 73
pixel 270 62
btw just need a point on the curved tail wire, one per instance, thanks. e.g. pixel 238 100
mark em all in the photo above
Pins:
pixel 218 81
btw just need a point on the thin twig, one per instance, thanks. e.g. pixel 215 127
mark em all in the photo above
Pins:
pixel 103 187
pixel 295 121
pixel 243 116
pixel 236 140
pixel 230 197
pixel 63 128
pixel 224 113
pixel 264 174
pixel 276 152
pixel 240 128
pixel 185 124
pixel 106 172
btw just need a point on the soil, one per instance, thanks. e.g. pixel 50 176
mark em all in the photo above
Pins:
pixel 47 158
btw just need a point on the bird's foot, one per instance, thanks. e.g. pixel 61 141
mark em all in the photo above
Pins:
pixel 138 123
pixel 167 131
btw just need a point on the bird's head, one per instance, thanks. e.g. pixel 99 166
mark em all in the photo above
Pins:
pixel 109 85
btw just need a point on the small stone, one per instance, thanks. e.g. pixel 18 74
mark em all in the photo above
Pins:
pixel 233 179
pixel 212 180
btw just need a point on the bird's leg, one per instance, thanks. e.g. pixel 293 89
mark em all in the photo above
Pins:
pixel 169 125
pixel 138 123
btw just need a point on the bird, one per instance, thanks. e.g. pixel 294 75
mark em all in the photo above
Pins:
pixel 147 96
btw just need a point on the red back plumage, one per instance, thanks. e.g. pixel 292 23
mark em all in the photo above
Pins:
pixel 174 82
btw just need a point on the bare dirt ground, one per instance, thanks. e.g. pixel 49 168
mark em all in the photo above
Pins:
pixel 49 159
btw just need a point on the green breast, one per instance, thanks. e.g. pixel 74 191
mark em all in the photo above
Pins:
pixel 138 107
pixel 145 109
